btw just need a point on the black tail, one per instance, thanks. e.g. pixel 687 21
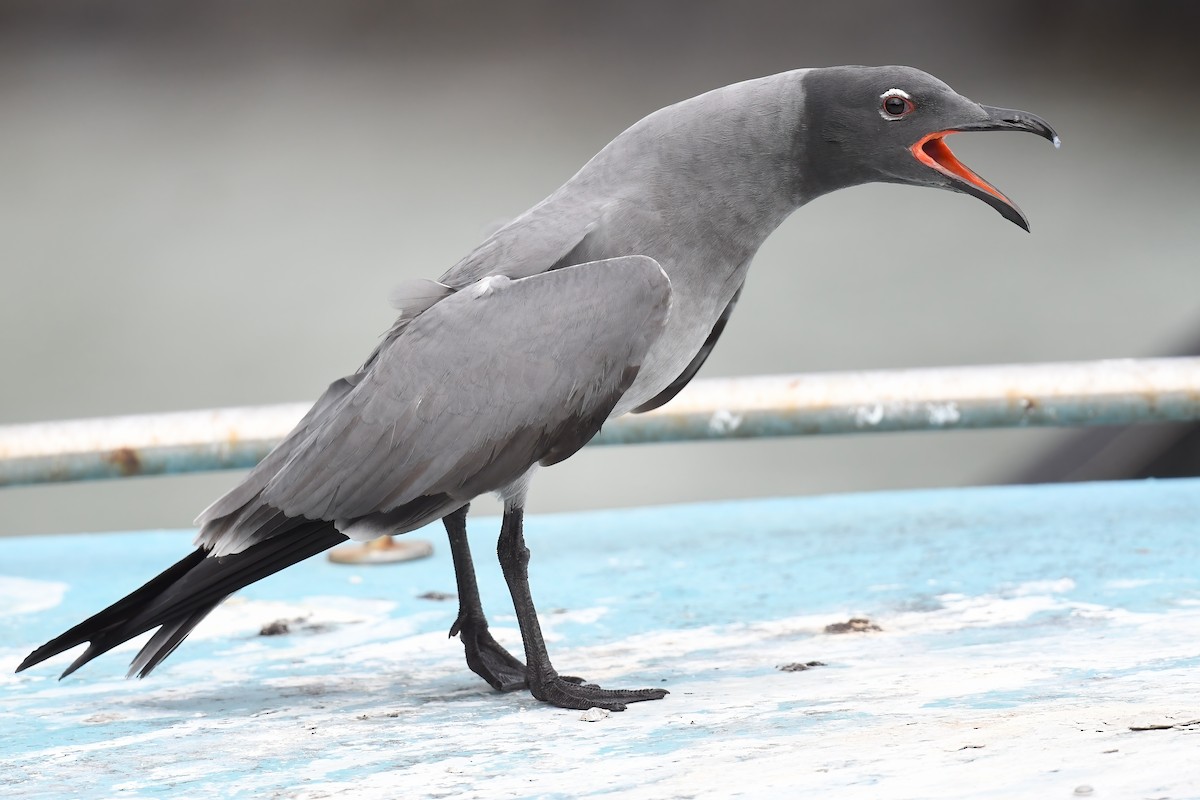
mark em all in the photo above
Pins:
pixel 184 594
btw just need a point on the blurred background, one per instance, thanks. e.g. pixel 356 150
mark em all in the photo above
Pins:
pixel 206 204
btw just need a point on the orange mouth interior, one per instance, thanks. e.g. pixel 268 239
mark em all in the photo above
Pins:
pixel 932 151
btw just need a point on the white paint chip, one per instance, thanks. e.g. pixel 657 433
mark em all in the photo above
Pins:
pixel 25 596
pixel 944 414
pixel 868 416
pixel 594 714
pixel 724 421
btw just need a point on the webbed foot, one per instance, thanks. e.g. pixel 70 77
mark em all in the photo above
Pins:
pixel 566 692
pixel 486 657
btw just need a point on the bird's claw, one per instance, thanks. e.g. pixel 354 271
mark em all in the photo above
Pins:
pixel 486 658
pixel 567 692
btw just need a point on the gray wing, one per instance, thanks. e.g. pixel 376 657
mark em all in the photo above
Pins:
pixel 540 240
pixel 685 377
pixel 497 377
pixel 257 478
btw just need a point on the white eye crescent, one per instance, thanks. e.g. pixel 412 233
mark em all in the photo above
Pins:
pixel 895 104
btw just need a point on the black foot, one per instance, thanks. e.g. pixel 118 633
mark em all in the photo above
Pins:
pixel 487 658
pixel 567 692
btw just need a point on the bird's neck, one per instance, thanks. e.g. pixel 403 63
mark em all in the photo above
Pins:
pixel 722 164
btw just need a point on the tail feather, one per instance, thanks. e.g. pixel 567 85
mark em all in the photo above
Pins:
pixel 164 641
pixel 96 625
pixel 184 594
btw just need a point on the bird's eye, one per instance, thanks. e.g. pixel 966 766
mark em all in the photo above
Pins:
pixel 897 106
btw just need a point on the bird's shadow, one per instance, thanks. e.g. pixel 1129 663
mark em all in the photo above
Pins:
pixel 351 695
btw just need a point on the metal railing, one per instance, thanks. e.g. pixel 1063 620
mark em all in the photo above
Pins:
pixel 1060 394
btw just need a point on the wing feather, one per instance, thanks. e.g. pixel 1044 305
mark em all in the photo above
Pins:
pixel 464 400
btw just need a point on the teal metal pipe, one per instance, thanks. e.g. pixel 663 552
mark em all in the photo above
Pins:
pixel 1021 395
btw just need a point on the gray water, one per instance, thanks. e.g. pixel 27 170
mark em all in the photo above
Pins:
pixel 210 212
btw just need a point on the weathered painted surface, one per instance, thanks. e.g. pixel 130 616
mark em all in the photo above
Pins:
pixel 1026 633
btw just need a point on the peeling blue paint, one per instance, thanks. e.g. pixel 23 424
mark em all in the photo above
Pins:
pixel 1013 619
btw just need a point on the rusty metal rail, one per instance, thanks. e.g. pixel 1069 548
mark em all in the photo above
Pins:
pixel 1063 394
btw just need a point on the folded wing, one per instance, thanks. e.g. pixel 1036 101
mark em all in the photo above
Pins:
pixel 487 382
pixel 465 399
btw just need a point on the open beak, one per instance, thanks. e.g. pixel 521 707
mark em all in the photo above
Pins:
pixel 932 151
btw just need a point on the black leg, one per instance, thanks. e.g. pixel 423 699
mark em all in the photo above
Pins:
pixel 544 682
pixel 485 656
